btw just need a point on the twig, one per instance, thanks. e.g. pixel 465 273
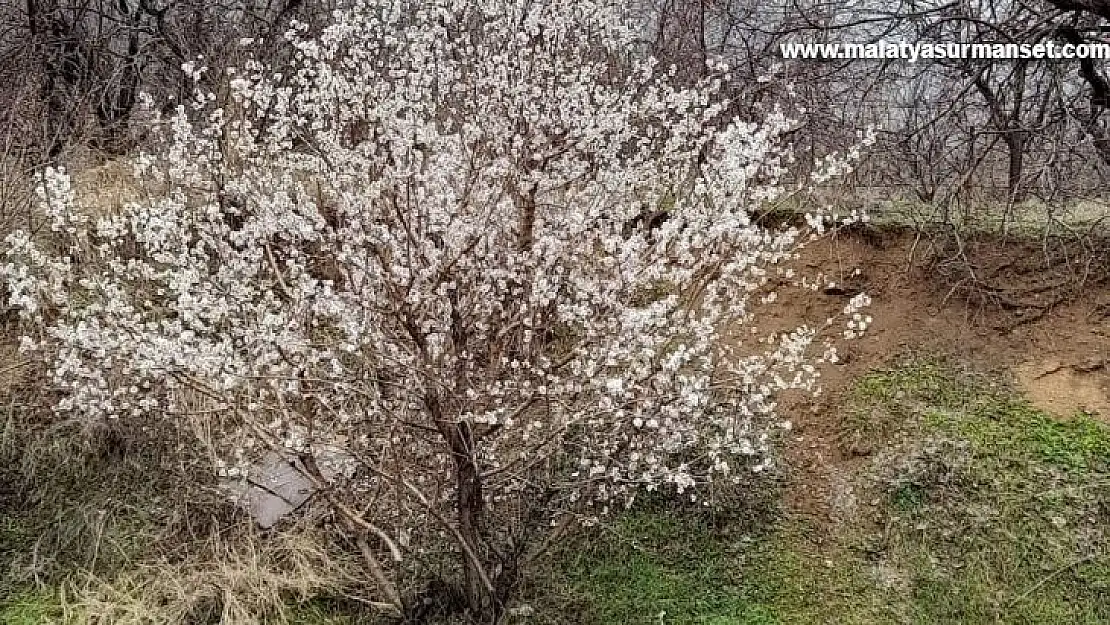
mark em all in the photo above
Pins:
pixel 466 547
pixel 18 365
pixel 277 273
pixel 450 527
pixel 376 571
pixel 1050 577
pixel 313 472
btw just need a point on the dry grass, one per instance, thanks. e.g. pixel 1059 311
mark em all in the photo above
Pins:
pixel 106 188
pixel 102 534
pixel 245 580
pixel 120 524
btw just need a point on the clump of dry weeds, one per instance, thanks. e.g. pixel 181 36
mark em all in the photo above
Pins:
pixel 245 579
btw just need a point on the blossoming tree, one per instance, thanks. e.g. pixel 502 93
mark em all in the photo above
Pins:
pixel 485 249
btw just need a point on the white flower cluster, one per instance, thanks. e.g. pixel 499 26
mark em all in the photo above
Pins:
pixel 857 321
pixel 419 244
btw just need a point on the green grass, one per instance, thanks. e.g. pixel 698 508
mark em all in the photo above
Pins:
pixel 1012 511
pixel 653 564
pixel 660 566
pixel 31 608
pixel 985 510
pixel 996 511
pixel 325 611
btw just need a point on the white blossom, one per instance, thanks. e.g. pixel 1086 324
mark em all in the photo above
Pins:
pixel 418 242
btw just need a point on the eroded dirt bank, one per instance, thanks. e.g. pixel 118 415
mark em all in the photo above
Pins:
pixel 1003 307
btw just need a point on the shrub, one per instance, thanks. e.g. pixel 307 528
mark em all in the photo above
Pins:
pixel 416 248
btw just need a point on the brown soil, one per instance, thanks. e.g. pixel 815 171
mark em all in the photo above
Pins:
pixel 1054 343
pixel 1061 390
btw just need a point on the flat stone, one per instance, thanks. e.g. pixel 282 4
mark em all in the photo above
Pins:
pixel 277 486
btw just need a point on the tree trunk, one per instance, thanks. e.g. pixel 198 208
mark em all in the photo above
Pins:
pixel 469 506
pixel 1015 143
pixel 468 485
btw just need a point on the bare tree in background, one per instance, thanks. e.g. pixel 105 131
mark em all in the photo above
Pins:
pixel 71 71
pixel 1007 129
pixel 75 67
